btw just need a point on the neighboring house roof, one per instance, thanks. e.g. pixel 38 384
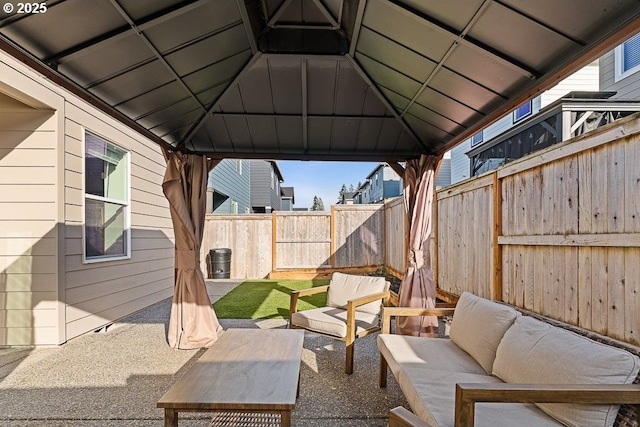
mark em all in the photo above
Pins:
pixel 277 170
pixel 287 192
pixel 346 196
pixel 376 169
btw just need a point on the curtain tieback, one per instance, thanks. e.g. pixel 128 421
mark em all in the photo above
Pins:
pixel 416 259
pixel 187 259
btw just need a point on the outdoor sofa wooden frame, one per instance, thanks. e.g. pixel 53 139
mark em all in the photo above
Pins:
pixel 468 394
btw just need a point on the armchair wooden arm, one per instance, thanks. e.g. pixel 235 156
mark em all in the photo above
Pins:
pixel 468 394
pixel 293 303
pixel 351 323
pixel 351 311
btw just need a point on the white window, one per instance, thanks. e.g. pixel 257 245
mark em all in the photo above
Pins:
pixel 627 58
pixel 106 200
pixel 477 138
pixel 522 112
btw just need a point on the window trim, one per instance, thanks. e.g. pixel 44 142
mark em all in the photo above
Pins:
pixel 477 138
pixel 619 73
pixel 127 204
pixel 516 118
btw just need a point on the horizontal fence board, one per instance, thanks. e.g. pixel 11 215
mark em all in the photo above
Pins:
pixel 614 240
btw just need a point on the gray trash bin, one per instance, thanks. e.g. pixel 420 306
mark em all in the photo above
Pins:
pixel 220 263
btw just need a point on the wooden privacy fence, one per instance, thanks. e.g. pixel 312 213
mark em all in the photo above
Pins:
pixel 557 233
pixel 347 236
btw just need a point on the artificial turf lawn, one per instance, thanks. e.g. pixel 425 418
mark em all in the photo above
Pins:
pixel 267 299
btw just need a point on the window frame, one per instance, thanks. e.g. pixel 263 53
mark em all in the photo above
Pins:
pixel 125 203
pixel 620 73
pixel 478 138
pixel 517 118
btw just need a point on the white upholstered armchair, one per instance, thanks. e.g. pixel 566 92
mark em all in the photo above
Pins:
pixel 354 305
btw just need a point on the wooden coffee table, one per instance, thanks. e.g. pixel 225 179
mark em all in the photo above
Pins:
pixel 245 371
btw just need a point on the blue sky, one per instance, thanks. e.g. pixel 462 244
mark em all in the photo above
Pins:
pixel 322 179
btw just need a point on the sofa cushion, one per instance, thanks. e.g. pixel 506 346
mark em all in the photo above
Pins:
pixel 345 287
pixel 536 352
pixel 332 321
pixel 478 326
pixel 433 353
pixel 431 396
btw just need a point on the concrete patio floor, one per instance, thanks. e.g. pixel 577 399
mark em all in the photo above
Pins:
pixel 115 377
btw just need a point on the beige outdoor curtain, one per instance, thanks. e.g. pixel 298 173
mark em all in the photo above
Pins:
pixel 418 287
pixel 193 323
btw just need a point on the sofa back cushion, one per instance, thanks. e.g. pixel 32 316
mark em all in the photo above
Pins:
pixel 478 326
pixel 345 287
pixel 537 353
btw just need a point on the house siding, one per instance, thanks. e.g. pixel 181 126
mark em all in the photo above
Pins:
pixel 443 178
pixel 626 88
pixel 47 294
pixel 261 192
pixel 376 190
pixel 585 79
pixel 99 293
pixel 226 180
pixel 28 224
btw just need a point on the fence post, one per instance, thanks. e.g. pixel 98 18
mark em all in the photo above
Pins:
pixel 332 237
pixel 274 232
pixel 497 231
pixel 434 233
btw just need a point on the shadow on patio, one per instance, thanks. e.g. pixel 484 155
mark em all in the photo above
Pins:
pixel 115 377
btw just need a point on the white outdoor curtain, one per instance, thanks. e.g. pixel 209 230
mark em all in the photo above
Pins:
pixel 418 287
pixel 193 322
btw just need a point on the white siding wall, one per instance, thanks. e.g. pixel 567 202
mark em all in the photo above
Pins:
pixel 29 212
pixel 460 162
pixel 585 79
pixel 47 295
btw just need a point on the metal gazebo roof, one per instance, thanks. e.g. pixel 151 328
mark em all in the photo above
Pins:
pixel 382 80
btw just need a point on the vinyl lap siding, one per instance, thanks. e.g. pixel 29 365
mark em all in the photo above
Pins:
pixel 460 168
pixel 261 192
pixel 28 218
pixel 626 88
pixel 99 293
pixel 585 79
pixel 443 178
pixel 225 179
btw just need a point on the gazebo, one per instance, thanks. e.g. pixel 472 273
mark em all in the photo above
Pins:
pixel 357 80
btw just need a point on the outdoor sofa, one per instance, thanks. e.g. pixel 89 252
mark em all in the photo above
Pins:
pixel 496 354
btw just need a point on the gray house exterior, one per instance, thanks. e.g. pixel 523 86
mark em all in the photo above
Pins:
pixel 229 187
pixel 383 182
pixel 288 198
pixel 266 194
pixel 585 79
pixel 620 70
